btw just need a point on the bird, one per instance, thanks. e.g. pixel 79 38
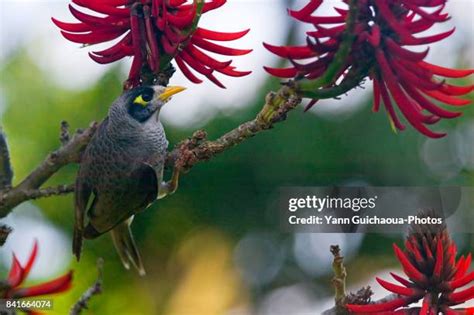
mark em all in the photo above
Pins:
pixel 121 171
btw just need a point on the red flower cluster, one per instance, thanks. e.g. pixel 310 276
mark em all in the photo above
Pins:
pixel 379 31
pixel 434 276
pixel 154 32
pixel 18 274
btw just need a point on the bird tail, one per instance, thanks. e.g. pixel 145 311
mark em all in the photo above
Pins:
pixel 125 246
pixel 77 242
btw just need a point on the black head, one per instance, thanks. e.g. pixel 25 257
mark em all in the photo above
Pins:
pixel 143 102
pixel 139 105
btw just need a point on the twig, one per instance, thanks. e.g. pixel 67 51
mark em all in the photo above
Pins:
pixel 68 153
pixel 340 274
pixel 49 191
pixel 6 172
pixel 339 281
pixel 64 136
pixel 196 149
pixel 5 230
pixel 95 289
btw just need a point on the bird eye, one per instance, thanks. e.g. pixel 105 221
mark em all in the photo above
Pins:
pixel 147 96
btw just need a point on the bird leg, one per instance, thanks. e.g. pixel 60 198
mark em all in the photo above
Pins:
pixel 169 187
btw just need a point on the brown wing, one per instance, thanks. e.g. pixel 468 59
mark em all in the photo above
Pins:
pixel 141 189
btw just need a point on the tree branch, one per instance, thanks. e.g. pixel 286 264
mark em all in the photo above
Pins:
pixel 69 152
pixel 183 157
pixel 339 283
pixel 95 289
pixel 48 192
pixel 197 149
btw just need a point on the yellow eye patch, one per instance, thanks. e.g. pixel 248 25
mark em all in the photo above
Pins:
pixel 140 101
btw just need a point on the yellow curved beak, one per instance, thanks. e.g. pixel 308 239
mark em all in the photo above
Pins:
pixel 170 91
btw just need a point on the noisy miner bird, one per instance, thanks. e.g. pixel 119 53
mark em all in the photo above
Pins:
pixel 122 167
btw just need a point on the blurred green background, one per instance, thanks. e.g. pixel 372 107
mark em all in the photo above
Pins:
pixel 215 246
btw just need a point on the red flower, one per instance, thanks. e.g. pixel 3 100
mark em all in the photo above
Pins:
pixel 377 32
pixel 19 273
pixel 434 276
pixel 154 32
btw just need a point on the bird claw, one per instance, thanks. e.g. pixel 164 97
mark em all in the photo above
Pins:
pixel 169 187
